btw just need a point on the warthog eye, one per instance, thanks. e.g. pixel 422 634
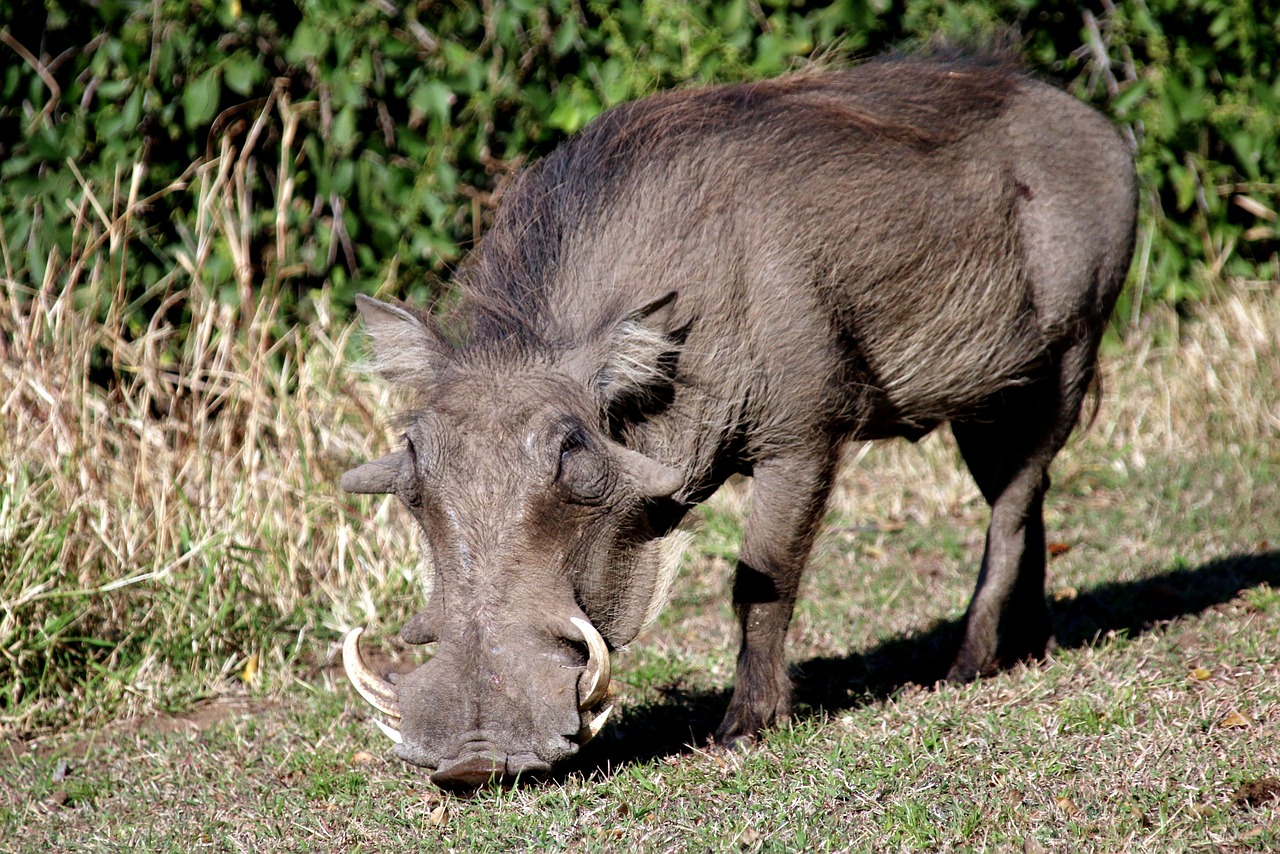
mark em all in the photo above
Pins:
pixel 574 441
pixel 583 472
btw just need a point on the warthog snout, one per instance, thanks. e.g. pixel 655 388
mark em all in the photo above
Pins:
pixel 510 742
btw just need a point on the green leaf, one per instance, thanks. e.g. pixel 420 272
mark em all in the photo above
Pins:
pixel 344 173
pixel 447 176
pixel 132 112
pixel 1184 185
pixel 200 98
pixel 242 73
pixel 345 90
pixel 564 37
pixel 112 90
pixel 308 43
pixel 344 130
pixel 432 98
pixel 574 111
pixel 1248 151
pixel 1129 97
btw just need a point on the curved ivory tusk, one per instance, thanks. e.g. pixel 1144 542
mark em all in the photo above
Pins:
pixel 390 732
pixel 592 729
pixel 375 690
pixel 597 663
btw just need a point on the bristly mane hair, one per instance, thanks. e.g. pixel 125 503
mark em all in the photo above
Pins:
pixel 922 98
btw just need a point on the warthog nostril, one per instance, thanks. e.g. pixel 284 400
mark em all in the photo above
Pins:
pixel 484 768
pixel 471 772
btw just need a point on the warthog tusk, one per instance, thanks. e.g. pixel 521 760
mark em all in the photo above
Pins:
pixel 389 732
pixel 592 729
pixel 597 664
pixel 375 690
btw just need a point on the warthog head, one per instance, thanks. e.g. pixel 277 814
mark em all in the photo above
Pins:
pixel 544 537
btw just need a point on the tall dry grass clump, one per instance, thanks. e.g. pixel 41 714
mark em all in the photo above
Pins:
pixel 1181 385
pixel 169 517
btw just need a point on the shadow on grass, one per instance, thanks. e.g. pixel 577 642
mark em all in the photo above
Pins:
pixel 1126 608
pixel 684 720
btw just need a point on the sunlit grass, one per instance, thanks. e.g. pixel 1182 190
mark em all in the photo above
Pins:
pixel 171 533
pixel 167 509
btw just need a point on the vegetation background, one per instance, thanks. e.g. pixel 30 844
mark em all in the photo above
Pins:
pixel 193 191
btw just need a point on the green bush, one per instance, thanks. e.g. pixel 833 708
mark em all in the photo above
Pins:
pixel 1202 90
pixel 402 125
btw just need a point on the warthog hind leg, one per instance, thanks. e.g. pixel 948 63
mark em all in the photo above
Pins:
pixel 1008 449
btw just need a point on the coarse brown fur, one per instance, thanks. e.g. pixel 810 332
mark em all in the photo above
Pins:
pixel 739 279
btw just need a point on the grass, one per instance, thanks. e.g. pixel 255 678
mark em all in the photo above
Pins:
pixel 168 522
pixel 178 565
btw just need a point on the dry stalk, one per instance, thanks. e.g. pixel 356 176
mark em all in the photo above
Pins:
pixel 160 484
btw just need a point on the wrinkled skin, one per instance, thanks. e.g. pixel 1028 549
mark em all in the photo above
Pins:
pixel 738 280
pixel 501 695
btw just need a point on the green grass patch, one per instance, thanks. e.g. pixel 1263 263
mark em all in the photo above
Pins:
pixel 178 565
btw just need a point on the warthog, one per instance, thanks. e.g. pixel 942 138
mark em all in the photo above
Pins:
pixel 725 280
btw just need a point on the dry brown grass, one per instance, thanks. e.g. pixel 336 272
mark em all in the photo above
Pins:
pixel 168 495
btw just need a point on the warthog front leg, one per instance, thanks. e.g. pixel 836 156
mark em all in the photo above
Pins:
pixel 788 498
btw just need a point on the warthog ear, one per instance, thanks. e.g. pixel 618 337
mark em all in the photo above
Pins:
pixel 377 477
pixel 640 353
pixel 407 348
